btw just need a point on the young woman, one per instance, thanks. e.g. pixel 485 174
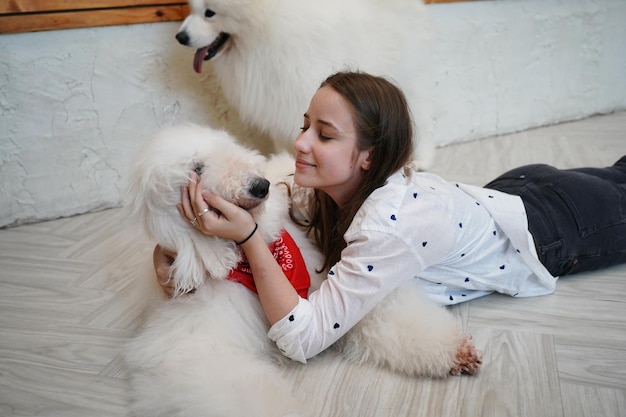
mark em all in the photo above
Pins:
pixel 380 223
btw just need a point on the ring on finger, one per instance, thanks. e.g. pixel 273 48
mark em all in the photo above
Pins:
pixel 193 222
pixel 203 212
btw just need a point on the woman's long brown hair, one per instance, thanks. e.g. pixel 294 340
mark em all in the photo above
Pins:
pixel 383 121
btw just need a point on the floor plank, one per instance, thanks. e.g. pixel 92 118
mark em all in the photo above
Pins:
pixel 591 401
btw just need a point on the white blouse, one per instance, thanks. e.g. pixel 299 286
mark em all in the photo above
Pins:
pixel 458 242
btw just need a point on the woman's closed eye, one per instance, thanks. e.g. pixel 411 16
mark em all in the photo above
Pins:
pixel 320 134
pixel 323 137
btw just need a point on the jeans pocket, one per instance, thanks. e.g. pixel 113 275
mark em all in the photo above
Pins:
pixel 595 204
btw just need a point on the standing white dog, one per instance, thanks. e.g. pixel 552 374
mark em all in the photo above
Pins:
pixel 207 353
pixel 270 56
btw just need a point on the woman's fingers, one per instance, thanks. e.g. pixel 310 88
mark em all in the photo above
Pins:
pixel 181 210
pixel 216 201
pixel 195 192
pixel 210 213
pixel 232 220
pixel 191 200
pixel 185 203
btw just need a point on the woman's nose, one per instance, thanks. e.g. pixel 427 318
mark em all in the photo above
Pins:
pixel 301 143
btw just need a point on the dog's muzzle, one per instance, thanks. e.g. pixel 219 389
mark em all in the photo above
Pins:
pixel 257 192
pixel 204 53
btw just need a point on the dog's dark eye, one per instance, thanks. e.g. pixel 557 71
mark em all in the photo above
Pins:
pixel 198 169
pixel 209 13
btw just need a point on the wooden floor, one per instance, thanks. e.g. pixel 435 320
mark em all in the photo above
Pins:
pixel 68 303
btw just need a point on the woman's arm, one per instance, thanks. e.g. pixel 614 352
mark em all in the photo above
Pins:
pixel 277 295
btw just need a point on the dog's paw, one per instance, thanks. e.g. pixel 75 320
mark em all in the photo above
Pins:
pixel 468 358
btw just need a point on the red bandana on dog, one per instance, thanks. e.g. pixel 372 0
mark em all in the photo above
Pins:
pixel 288 256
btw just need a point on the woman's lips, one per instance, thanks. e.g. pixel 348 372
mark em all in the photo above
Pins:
pixel 300 163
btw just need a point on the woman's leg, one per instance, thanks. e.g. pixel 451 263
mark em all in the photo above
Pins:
pixel 577 217
pixel 615 173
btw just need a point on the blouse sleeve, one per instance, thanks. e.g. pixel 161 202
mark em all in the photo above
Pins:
pixel 371 267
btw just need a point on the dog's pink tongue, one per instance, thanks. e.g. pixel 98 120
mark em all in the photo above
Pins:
pixel 198 59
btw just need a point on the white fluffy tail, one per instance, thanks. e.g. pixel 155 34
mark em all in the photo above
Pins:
pixel 406 333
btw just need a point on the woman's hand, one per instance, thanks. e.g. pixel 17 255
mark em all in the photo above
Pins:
pixel 212 215
pixel 163 260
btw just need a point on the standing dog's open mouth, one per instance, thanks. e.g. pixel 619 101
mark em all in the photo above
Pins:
pixel 208 52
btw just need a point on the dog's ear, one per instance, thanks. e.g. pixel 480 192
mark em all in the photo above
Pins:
pixel 189 272
pixel 200 258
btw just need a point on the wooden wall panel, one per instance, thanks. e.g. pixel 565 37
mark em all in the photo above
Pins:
pixel 29 6
pixel 39 15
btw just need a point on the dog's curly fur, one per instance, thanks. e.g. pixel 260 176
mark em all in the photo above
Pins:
pixel 205 353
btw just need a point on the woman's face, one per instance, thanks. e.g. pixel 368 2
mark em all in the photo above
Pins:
pixel 327 157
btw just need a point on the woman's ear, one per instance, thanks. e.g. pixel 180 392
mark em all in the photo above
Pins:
pixel 366 159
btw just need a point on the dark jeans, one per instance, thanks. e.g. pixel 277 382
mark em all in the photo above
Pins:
pixel 576 216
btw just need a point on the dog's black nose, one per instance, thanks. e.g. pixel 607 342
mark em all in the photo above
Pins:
pixel 182 38
pixel 259 188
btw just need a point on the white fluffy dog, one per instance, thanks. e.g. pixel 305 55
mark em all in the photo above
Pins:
pixel 206 353
pixel 271 55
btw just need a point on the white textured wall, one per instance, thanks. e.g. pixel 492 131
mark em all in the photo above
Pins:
pixel 77 104
pixel 504 66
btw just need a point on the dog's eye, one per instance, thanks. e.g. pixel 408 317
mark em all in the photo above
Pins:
pixel 198 169
pixel 209 13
